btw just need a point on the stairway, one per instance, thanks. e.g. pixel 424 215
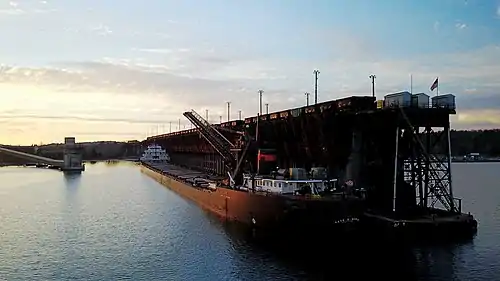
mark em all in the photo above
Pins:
pixel 220 143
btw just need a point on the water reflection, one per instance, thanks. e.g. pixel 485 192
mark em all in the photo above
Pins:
pixel 72 179
pixel 353 256
pixel 113 162
pixel 116 223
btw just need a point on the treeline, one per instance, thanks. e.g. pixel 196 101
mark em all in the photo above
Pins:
pixel 485 142
pixel 102 151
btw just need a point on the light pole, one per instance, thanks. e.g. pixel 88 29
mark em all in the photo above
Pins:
pixel 267 108
pixel 239 114
pixel 206 115
pixel 260 101
pixel 228 110
pixel 170 126
pixel 307 98
pixel 316 73
pixel 179 124
pixel 373 84
pixel 220 119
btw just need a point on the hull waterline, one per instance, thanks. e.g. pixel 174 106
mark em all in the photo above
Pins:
pixel 265 211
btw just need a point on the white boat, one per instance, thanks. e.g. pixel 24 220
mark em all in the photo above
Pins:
pixel 154 153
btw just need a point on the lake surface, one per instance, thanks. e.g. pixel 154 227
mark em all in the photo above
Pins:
pixel 114 223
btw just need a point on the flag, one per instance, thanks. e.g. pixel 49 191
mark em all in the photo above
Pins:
pixel 434 85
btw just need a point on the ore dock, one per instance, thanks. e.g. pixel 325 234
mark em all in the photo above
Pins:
pixel 396 150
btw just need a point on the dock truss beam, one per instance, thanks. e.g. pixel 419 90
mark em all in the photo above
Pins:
pixel 424 166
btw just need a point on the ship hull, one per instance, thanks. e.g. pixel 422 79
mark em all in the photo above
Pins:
pixel 269 212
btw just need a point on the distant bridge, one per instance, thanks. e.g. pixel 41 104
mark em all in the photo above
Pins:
pixel 32 157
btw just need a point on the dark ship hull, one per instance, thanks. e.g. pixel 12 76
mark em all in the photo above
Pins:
pixel 262 210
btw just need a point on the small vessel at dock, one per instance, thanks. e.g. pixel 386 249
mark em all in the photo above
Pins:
pixel 155 153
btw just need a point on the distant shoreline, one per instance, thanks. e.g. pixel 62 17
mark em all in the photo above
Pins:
pixel 477 161
pixel 116 159
pixel 84 161
pixel 137 160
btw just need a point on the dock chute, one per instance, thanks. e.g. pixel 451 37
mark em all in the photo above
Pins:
pixel 220 143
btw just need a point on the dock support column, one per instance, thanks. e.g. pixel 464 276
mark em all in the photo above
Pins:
pixel 448 144
pixel 420 176
pixel 427 166
pixel 354 164
pixel 396 151
pixel 219 166
pixel 212 163
pixel 204 164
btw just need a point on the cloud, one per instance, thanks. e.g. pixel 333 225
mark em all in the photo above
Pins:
pixel 130 134
pixel 477 119
pixel 155 51
pixel 11 12
pixel 186 79
pixel 436 26
pixel 121 77
pixel 498 11
pixel 82 118
pixel 101 29
pixel 476 102
pixel 460 25
pixel 14 8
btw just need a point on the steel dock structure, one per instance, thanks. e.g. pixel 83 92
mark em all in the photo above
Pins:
pixel 399 152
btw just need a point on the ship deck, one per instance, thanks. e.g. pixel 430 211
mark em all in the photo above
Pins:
pixel 185 173
pixel 187 176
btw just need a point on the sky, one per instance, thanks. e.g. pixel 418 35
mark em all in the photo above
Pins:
pixel 122 70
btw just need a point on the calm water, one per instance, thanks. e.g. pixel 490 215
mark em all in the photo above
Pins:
pixel 114 223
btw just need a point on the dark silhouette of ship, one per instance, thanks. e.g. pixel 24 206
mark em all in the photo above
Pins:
pixel 270 198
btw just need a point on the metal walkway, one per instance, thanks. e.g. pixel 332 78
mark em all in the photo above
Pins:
pixel 24 155
pixel 220 143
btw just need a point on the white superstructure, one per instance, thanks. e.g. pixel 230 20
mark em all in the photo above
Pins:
pixel 281 186
pixel 155 153
pixel 295 183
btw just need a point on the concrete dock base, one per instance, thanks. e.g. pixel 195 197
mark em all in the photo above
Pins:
pixel 436 226
pixel 73 169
